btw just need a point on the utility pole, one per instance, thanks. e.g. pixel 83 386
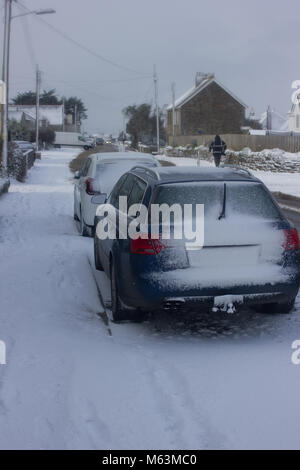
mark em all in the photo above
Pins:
pixel 37 117
pixel 5 71
pixel 155 79
pixel 63 117
pixel 8 48
pixel 4 106
pixel 75 117
pixel 269 118
pixel 173 109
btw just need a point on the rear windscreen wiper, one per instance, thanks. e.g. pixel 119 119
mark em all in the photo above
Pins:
pixel 222 215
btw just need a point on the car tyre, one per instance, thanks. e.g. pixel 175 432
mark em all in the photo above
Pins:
pixel 98 264
pixel 84 231
pixel 118 313
pixel 76 218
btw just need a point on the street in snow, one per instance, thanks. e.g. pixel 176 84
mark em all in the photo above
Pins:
pixel 73 379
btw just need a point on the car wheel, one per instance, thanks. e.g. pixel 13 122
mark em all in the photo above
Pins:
pixel 98 264
pixel 75 215
pixel 83 228
pixel 286 307
pixel 118 313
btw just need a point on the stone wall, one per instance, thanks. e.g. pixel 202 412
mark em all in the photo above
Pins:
pixel 275 161
pixel 267 160
pixel 257 143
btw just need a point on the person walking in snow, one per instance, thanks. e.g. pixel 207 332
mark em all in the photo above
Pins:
pixel 217 147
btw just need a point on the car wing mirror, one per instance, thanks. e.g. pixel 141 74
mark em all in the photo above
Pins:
pixel 99 199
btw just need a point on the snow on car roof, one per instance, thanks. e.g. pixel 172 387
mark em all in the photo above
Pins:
pixel 119 156
pixel 187 173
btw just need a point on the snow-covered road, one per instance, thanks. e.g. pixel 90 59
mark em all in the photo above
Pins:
pixel 212 381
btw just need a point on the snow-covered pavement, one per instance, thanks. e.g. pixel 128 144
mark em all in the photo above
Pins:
pixel 72 381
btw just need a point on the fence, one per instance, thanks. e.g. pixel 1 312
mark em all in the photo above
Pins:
pixel 239 141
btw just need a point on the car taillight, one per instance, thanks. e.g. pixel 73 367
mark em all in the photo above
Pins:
pixel 292 241
pixel 146 246
pixel 89 186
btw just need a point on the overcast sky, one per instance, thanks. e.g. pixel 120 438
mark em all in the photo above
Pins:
pixel 251 46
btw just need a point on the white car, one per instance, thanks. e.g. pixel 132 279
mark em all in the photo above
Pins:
pixel 98 175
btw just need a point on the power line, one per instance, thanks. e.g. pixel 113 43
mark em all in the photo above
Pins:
pixel 81 46
pixel 87 82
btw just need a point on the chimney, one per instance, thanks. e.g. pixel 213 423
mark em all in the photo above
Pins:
pixel 201 76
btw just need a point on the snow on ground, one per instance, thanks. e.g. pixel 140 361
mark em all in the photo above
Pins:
pixel 73 382
pixel 287 183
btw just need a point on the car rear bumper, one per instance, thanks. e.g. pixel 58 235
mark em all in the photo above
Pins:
pixel 154 295
pixel 247 299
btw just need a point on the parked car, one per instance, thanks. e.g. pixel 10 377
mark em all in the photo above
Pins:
pixel 24 145
pixel 98 175
pixel 251 252
pixel 99 141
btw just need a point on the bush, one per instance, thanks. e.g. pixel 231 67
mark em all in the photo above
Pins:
pixel 17 131
pixel 46 135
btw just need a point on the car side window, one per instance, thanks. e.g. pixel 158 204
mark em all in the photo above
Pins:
pixel 125 189
pixel 85 168
pixel 127 186
pixel 138 191
pixel 114 195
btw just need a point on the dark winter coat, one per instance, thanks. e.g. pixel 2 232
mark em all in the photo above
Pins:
pixel 218 146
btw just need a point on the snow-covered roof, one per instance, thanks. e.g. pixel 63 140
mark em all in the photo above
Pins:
pixel 195 90
pixel 52 113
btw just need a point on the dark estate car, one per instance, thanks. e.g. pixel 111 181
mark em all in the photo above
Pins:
pixel 250 255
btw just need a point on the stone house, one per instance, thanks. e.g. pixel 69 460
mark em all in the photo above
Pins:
pixel 207 108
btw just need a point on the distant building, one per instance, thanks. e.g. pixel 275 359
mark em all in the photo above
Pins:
pixel 294 118
pixel 50 115
pixel 207 108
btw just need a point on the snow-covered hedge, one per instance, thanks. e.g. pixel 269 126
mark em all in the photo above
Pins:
pixel 19 163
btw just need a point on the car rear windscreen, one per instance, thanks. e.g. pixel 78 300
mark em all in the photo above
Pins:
pixel 241 199
pixel 107 174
